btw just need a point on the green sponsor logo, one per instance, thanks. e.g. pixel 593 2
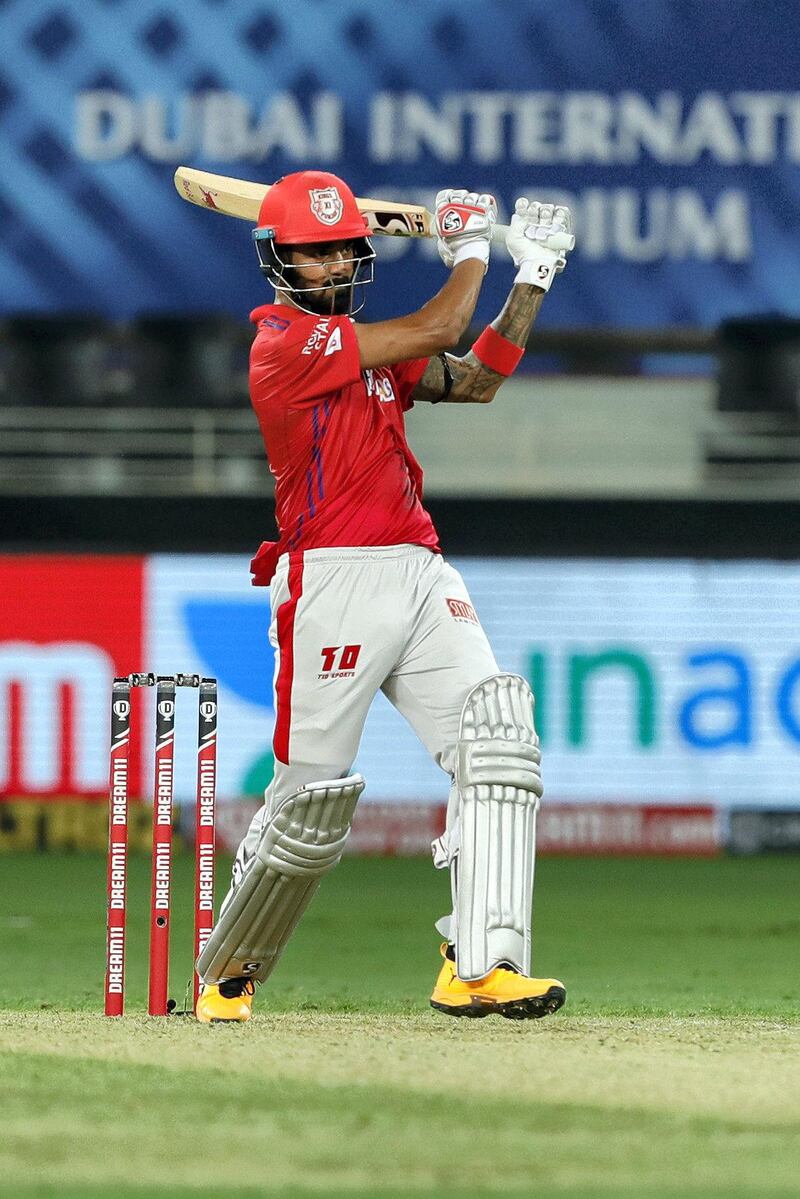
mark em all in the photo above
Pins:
pixel 584 675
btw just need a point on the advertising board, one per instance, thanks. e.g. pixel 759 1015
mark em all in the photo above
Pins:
pixel 657 682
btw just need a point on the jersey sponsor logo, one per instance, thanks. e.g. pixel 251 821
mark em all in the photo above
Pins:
pixel 461 610
pixel 319 335
pixel 339 661
pixel 326 204
pixel 323 335
pixel 380 386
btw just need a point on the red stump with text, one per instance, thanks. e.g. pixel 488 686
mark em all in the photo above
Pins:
pixel 117 894
pixel 159 1003
pixel 161 887
pixel 205 820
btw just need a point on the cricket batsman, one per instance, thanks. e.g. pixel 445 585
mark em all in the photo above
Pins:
pixel 362 599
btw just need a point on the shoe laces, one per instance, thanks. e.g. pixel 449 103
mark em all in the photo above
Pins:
pixel 234 988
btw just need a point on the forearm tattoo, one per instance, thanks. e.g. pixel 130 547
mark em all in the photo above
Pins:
pixel 519 312
pixel 474 383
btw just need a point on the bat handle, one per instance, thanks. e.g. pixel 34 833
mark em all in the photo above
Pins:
pixel 562 241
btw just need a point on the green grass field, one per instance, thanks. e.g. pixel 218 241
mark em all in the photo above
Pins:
pixel 671 1072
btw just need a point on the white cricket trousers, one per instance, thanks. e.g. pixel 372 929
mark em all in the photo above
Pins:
pixel 347 623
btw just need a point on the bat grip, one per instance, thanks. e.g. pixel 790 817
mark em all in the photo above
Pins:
pixel 499 235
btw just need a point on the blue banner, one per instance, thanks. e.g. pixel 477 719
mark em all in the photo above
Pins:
pixel 671 126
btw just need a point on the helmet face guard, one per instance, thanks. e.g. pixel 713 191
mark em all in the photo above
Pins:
pixel 312 208
pixel 282 275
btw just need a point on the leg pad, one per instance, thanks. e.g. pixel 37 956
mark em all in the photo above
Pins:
pixel 304 839
pixel 492 847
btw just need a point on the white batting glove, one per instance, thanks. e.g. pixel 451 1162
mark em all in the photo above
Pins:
pixel 464 222
pixel 539 239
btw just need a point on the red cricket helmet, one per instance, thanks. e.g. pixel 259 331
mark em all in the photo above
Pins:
pixel 311 208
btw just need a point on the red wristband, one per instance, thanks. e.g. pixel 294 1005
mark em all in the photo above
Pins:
pixel 496 352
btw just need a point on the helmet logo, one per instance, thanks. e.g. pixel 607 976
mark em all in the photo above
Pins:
pixel 326 204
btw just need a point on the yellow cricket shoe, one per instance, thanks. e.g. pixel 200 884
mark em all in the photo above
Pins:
pixel 503 992
pixel 230 1002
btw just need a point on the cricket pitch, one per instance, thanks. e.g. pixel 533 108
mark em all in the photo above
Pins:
pixel 407 1104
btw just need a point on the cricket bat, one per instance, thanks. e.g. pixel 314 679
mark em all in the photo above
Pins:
pixel 241 198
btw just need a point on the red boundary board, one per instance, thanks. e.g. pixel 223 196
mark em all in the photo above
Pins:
pixel 52 600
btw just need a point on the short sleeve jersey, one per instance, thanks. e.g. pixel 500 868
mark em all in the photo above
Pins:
pixel 335 435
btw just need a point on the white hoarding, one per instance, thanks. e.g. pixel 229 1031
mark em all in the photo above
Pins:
pixel 656 681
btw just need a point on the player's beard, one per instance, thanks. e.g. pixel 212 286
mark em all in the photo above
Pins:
pixel 339 304
pixel 322 302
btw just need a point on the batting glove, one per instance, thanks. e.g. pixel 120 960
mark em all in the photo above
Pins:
pixel 539 239
pixel 464 222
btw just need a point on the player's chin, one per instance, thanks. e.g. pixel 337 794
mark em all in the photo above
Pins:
pixel 335 301
pixel 342 300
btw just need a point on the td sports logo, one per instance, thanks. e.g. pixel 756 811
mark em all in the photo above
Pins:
pixel 339 661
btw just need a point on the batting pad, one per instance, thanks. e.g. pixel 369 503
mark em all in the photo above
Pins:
pixel 304 839
pixel 499 784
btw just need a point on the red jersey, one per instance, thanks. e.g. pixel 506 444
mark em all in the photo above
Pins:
pixel 335 438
